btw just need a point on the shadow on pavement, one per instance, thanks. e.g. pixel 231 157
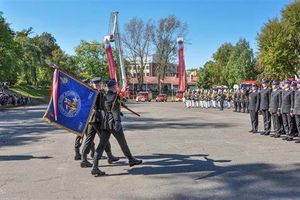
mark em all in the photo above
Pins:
pixel 23 126
pixel 22 157
pixel 243 181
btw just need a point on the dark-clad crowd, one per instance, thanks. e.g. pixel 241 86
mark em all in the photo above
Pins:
pixel 8 98
pixel 281 104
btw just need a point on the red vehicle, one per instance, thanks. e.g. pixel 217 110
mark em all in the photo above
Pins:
pixel 161 98
pixel 248 83
pixel 144 96
pixel 179 96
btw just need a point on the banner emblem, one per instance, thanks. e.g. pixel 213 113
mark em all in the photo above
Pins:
pixel 69 103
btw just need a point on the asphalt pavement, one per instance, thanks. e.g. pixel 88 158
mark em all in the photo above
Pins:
pixel 188 154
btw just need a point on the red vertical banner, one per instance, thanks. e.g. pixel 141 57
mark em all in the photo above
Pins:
pixel 111 62
pixel 55 91
pixel 181 66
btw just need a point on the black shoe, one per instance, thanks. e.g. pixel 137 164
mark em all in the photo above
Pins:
pixel 273 135
pixel 135 161
pixel 277 136
pixel 85 164
pixel 289 139
pixel 298 141
pixel 112 159
pixel 263 133
pixel 285 138
pixel 254 131
pixel 251 131
pixel 77 157
pixel 97 172
pixel 266 134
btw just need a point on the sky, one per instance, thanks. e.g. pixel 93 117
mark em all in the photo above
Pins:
pixel 210 22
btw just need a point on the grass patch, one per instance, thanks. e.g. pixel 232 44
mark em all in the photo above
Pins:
pixel 34 92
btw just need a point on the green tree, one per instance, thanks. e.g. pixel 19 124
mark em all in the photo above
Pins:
pixel 221 58
pixel 279 45
pixel 241 64
pixel 164 39
pixel 9 53
pixel 90 58
pixel 205 75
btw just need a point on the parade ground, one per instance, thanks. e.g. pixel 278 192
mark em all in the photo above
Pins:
pixel 188 154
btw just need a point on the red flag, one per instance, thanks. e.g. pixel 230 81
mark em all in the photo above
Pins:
pixel 181 67
pixel 111 61
pixel 55 91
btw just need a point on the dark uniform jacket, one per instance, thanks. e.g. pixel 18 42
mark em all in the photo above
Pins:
pixel 254 101
pixel 287 101
pixel 113 108
pixel 296 106
pixel 99 112
pixel 275 103
pixel 265 98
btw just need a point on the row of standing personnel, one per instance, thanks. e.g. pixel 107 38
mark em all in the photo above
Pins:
pixel 105 120
pixel 222 98
pixel 280 105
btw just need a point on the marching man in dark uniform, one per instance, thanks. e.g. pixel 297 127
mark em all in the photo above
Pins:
pixel 265 96
pixel 78 139
pixel 296 108
pixel 286 108
pixel 275 108
pixel 113 126
pixel 254 107
pixel 96 126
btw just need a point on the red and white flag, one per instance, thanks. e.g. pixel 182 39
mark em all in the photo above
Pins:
pixel 55 91
pixel 111 61
pixel 181 66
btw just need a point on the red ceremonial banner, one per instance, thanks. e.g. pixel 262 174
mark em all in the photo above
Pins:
pixel 181 68
pixel 111 62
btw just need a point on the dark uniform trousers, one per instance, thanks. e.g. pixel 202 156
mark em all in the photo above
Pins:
pixel 104 141
pixel 286 119
pixel 277 124
pixel 286 106
pixel 253 109
pixel 296 111
pixel 89 141
pixel 297 119
pixel 254 120
pixel 78 144
pixel 267 120
pixel 293 126
pixel 265 101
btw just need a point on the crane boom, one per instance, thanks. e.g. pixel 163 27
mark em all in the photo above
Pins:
pixel 115 37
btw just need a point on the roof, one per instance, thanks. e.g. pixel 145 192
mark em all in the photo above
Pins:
pixel 168 80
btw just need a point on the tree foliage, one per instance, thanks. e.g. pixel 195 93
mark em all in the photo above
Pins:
pixel 9 53
pixel 137 41
pixel 164 38
pixel 279 45
pixel 91 60
pixel 230 65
